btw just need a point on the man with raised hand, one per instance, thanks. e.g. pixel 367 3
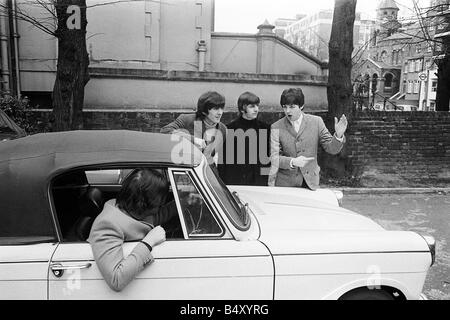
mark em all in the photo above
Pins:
pixel 294 140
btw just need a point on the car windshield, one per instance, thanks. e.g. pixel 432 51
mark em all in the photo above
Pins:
pixel 233 206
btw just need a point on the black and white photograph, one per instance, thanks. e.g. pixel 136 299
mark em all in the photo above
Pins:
pixel 224 155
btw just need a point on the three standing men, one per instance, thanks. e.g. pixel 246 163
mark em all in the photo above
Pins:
pixel 294 140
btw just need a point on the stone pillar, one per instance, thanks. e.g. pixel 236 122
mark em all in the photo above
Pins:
pixel 264 49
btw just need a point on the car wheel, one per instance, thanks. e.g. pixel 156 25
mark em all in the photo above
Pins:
pixel 366 294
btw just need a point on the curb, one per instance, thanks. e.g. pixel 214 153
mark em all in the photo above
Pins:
pixel 393 190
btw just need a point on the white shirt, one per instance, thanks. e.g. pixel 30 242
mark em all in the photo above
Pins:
pixel 297 123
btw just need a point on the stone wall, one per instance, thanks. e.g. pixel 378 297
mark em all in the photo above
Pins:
pixel 383 149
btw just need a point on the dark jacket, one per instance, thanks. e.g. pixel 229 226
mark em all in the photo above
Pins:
pixel 195 127
pixel 245 153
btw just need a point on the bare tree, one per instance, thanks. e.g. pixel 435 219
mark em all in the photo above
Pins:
pixel 340 88
pixel 66 21
pixel 73 60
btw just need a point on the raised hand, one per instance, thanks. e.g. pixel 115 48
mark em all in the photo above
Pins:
pixel 340 126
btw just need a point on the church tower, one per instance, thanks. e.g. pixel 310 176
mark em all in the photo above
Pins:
pixel 387 18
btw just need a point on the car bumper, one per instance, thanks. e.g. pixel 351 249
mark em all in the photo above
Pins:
pixel 423 297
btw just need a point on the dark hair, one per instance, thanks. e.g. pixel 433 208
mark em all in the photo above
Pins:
pixel 207 101
pixel 143 190
pixel 245 99
pixel 292 96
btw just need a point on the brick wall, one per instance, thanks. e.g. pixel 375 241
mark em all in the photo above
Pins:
pixel 383 149
pixel 390 149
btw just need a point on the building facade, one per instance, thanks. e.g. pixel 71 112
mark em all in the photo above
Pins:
pixel 312 33
pixel 160 55
pixel 400 68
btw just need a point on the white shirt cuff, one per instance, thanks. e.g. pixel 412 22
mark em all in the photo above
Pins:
pixel 339 139
pixel 290 164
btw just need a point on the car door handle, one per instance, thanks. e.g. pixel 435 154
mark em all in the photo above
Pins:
pixel 58 268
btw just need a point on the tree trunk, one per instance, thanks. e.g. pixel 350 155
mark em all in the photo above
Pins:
pixel 72 70
pixel 339 89
pixel 443 74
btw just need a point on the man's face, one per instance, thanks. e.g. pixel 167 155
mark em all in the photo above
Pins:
pixel 292 111
pixel 250 111
pixel 214 115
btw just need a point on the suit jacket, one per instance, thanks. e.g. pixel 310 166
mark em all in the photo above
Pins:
pixel 286 144
pixel 110 230
pixel 194 127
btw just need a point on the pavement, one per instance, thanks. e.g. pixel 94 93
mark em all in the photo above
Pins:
pixel 422 210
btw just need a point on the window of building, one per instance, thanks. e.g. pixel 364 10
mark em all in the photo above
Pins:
pixel 418 48
pixel 417 66
pixel 410 87
pixel 434 86
pixel 432 106
pixel 405 70
pixel 388 81
pixel 383 56
pixel 416 86
pixel 411 65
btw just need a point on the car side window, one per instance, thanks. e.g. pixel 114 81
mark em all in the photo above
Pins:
pixel 198 218
pixel 79 197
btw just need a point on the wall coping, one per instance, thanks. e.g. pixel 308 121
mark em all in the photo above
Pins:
pixel 274 37
pixel 178 75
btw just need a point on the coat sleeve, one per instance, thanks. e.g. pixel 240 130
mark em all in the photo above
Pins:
pixel 106 240
pixel 178 126
pixel 328 142
pixel 277 160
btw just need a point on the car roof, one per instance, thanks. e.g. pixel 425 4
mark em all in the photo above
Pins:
pixel 28 164
pixel 72 148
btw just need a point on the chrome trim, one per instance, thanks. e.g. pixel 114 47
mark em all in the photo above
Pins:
pixel 177 202
pixel 431 242
pixel 60 266
pixel 198 186
pixel 422 296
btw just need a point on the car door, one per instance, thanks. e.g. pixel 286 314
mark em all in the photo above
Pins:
pixel 24 270
pixel 207 263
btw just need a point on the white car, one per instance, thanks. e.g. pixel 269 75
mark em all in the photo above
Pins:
pixel 236 242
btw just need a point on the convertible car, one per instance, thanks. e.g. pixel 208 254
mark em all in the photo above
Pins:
pixel 227 242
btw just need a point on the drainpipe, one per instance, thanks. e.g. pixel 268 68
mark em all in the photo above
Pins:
pixel 201 48
pixel 16 47
pixel 4 49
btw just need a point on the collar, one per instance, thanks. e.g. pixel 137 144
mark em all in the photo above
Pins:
pixel 297 122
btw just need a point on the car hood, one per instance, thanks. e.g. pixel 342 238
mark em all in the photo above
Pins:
pixel 289 218
pixel 301 209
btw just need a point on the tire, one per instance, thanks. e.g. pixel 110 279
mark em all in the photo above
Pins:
pixel 366 294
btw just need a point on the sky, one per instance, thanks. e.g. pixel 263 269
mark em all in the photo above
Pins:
pixel 245 15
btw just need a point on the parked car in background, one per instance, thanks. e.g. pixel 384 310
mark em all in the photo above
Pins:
pixel 407 107
pixel 8 128
pixel 227 242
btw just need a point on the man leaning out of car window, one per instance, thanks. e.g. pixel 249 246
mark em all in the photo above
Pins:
pixel 136 215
